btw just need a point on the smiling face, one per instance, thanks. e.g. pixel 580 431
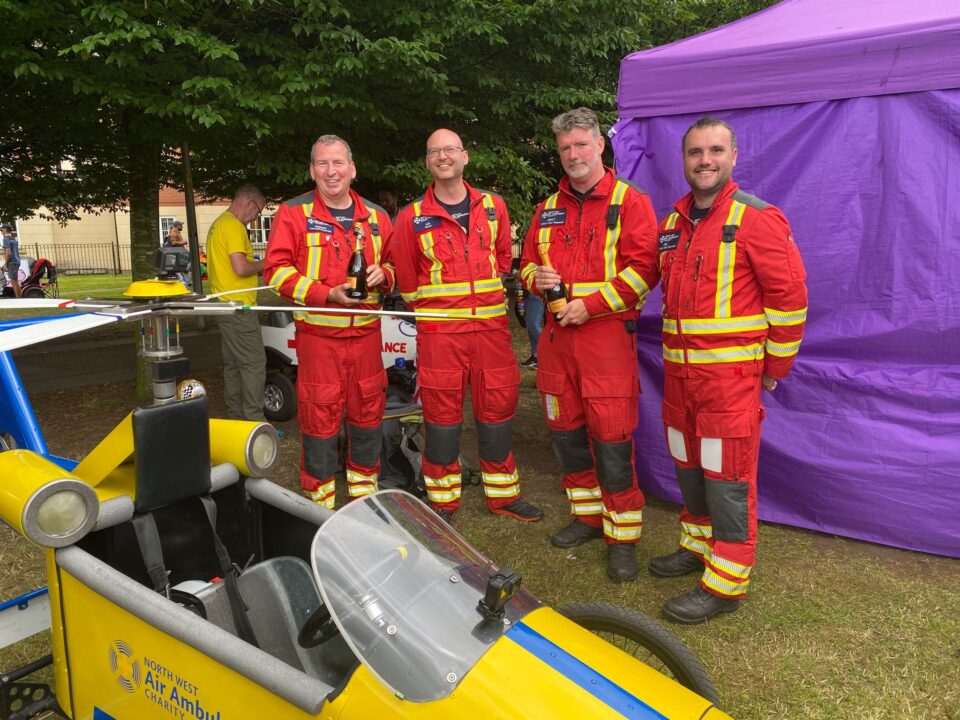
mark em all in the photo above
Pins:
pixel 332 170
pixel 708 162
pixel 446 157
pixel 580 154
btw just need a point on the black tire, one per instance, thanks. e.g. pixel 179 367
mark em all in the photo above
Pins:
pixel 646 640
pixel 34 293
pixel 279 397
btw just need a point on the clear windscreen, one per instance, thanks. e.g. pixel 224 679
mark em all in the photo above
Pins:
pixel 404 588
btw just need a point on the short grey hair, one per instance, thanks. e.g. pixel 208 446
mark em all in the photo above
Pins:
pixel 249 191
pixel 332 140
pixel 705 122
pixel 581 117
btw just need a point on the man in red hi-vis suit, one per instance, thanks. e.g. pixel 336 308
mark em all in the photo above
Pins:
pixel 340 369
pixel 597 235
pixel 451 249
pixel 735 304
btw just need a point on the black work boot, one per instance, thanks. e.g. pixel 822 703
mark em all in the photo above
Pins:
pixel 520 510
pixel 446 515
pixel 622 565
pixel 696 606
pixel 576 533
pixel 675 564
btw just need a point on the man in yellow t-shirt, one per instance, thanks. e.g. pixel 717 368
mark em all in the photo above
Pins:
pixel 231 266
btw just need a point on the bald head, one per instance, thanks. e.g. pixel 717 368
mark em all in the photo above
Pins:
pixel 446 157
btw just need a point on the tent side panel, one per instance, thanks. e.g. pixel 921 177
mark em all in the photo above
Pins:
pixel 863 439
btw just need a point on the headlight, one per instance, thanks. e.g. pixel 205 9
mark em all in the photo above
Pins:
pixel 41 500
pixel 252 447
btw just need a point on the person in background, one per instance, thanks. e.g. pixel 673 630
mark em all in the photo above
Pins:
pixel 175 237
pixel 592 248
pixel 451 249
pixel 340 369
pixel 734 309
pixel 11 255
pixel 231 266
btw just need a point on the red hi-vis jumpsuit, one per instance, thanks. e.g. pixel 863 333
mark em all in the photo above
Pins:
pixel 735 303
pixel 605 251
pixel 340 365
pixel 441 268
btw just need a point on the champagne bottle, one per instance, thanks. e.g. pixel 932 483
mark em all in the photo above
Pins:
pixel 357 267
pixel 555 297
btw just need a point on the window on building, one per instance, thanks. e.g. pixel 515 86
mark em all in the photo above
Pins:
pixel 166 222
pixel 260 232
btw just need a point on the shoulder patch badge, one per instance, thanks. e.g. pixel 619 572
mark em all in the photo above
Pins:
pixel 316 225
pixel 553 216
pixel 668 240
pixel 425 222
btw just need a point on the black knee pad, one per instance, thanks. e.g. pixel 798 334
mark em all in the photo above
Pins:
pixel 320 456
pixel 727 501
pixel 691 484
pixel 364 444
pixel 572 448
pixel 614 466
pixel 442 443
pixel 494 440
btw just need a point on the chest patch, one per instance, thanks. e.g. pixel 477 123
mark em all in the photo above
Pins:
pixel 315 225
pixel 553 216
pixel 425 222
pixel 668 240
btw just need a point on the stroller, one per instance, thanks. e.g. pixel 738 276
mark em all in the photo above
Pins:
pixel 38 279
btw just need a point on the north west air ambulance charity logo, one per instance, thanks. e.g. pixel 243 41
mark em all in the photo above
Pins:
pixel 124 667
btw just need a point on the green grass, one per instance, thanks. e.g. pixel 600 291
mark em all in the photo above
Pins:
pixel 74 286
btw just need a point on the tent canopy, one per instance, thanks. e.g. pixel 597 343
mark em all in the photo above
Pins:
pixel 799 51
pixel 848 119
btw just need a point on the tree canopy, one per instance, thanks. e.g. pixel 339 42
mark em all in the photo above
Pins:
pixel 102 94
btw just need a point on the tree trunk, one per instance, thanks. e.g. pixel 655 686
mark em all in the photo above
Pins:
pixel 144 207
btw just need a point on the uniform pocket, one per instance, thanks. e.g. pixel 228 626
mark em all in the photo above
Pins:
pixel 373 398
pixel 321 409
pixel 677 432
pixel 499 389
pixel 317 260
pixel 726 440
pixel 553 390
pixel 441 391
pixel 611 405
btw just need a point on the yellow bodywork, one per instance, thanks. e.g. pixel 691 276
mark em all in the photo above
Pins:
pixel 156 288
pixel 23 472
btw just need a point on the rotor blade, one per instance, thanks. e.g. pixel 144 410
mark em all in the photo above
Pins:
pixel 29 304
pixel 41 332
pixel 235 292
pixel 347 311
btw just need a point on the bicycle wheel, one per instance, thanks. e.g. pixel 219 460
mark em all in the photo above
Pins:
pixel 646 640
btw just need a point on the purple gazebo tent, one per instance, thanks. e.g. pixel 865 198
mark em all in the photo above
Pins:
pixel 848 118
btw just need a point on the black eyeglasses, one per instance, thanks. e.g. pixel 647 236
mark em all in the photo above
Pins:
pixel 448 150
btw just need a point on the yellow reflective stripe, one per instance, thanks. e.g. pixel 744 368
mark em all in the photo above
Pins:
pixel 426 244
pixel 325 494
pixel 582 493
pixel 408 297
pixel 670 326
pixel 722 585
pixel 628 533
pixel 301 289
pixel 582 289
pixel 699 547
pixel 500 478
pixel 375 235
pixel 720 326
pixel 494 225
pixel 612 297
pixel 671 222
pixel 730 567
pixel 725 264
pixel 622 518
pixel 785 317
pixel 782 349
pixel 543 236
pixel 735 215
pixel 334 321
pixel 696 531
pixel 489 285
pixel 738 353
pixel 281 276
pixel 480 313
pixel 443 489
pixel 526 274
pixel 632 278
pixel 613 235
pixel 672 355
pixel 586 508
pixel 444 290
